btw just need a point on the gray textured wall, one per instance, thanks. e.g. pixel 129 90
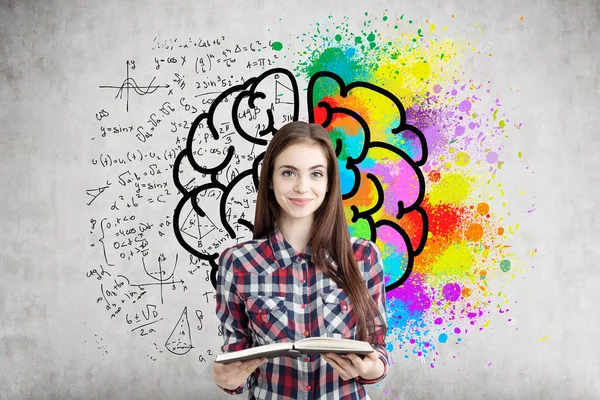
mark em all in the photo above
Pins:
pixel 58 341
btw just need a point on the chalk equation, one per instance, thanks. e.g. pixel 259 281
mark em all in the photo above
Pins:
pixel 175 180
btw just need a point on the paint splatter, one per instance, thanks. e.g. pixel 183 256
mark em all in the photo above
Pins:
pixel 451 290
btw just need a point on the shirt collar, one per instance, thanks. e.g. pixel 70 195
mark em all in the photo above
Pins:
pixel 285 254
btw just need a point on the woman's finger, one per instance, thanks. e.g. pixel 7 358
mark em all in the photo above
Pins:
pixel 335 366
pixel 344 373
pixel 361 365
pixel 340 360
pixel 355 360
pixel 250 365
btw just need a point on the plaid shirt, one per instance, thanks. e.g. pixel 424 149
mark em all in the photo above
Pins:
pixel 266 292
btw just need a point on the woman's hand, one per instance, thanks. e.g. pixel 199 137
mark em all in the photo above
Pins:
pixel 352 366
pixel 231 376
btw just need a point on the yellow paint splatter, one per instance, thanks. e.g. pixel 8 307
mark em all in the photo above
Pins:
pixel 455 260
pixel 421 70
pixel 544 338
pixel 462 159
pixel 451 189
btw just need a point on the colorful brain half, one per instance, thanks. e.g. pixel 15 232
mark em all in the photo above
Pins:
pixel 379 156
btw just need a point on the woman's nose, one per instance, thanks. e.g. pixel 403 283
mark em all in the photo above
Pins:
pixel 301 186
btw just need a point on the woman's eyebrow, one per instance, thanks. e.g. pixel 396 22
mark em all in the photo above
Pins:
pixel 294 168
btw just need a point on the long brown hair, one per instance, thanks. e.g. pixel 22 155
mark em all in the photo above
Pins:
pixel 329 230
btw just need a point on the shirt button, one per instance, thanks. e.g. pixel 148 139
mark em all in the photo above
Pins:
pixel 307 387
pixel 303 306
pixel 307 359
pixel 306 333
pixel 303 280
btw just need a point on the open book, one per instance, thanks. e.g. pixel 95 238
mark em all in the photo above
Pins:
pixel 304 346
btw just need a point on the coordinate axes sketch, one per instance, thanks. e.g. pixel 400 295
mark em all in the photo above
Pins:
pixel 130 84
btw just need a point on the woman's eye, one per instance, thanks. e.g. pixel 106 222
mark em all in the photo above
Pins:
pixel 291 173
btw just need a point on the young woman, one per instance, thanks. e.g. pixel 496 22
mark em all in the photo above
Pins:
pixel 301 276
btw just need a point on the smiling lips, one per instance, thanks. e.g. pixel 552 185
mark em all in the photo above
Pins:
pixel 300 202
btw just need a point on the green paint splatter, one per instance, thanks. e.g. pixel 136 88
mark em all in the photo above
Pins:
pixel 371 37
pixel 505 265
pixel 338 37
pixel 360 228
pixel 385 17
pixel 336 60
pixel 277 46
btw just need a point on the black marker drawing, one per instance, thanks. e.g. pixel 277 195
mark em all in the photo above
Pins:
pixel 216 206
pixel 193 168
pixel 159 275
pixel 180 340
pixel 130 83
pixel 242 117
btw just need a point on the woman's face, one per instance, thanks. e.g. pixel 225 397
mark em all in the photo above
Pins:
pixel 300 180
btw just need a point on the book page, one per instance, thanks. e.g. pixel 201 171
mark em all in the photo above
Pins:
pixel 333 344
pixel 254 352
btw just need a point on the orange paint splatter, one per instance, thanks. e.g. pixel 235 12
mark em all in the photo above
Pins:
pixel 434 176
pixel 500 231
pixel 483 208
pixel 474 232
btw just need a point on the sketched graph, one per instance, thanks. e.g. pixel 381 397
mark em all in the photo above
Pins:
pixel 130 84
pixel 159 276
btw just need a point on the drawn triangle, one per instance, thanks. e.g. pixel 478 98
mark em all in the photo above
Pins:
pixel 180 340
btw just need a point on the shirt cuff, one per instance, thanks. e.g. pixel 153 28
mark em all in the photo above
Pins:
pixel 239 390
pixel 383 359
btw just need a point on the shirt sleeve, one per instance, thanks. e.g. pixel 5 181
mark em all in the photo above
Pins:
pixel 375 283
pixel 230 310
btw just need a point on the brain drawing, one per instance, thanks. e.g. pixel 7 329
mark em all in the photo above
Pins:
pixel 379 157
